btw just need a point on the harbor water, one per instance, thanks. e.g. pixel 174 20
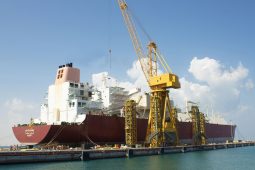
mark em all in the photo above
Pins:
pixel 234 158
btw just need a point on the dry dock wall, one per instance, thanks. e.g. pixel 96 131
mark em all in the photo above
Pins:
pixel 71 155
pixel 38 156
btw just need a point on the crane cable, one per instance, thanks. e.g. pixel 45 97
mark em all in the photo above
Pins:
pixel 55 135
pixel 139 24
pixel 159 56
pixel 163 63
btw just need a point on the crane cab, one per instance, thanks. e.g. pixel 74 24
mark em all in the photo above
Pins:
pixel 164 81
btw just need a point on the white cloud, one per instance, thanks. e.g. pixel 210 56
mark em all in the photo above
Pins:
pixel 135 71
pixel 243 108
pixel 214 84
pixel 190 91
pixel 15 111
pixel 137 77
pixel 19 111
pixel 249 84
pixel 17 106
pixel 214 73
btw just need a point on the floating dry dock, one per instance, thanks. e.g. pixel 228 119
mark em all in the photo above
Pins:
pixel 75 155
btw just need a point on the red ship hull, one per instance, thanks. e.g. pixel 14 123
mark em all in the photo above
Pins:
pixel 109 130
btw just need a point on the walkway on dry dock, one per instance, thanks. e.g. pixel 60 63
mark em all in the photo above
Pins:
pixel 75 155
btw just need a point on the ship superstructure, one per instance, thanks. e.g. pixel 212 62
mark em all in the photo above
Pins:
pixel 69 100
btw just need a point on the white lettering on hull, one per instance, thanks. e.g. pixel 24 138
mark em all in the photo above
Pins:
pixel 29 132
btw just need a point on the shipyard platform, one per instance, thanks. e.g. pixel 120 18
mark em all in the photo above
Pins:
pixel 10 157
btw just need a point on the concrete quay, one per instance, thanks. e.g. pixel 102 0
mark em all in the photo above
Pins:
pixel 11 157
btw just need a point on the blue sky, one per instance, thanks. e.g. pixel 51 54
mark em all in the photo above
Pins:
pixel 37 36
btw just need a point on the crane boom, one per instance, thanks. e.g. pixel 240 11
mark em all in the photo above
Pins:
pixel 135 40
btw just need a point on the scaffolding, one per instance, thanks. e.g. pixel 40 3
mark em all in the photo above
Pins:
pixel 198 126
pixel 130 123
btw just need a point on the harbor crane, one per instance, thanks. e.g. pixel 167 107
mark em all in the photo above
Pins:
pixel 161 129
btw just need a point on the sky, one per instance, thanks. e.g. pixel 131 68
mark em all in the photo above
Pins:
pixel 209 44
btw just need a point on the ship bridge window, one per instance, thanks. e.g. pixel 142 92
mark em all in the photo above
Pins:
pixel 71 85
pixel 71 104
pixel 76 85
pixel 82 85
pixel 82 92
pixel 60 74
pixel 90 94
pixel 79 104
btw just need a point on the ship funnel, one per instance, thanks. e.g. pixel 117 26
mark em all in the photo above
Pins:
pixel 67 73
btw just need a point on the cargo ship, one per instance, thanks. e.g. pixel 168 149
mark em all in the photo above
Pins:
pixel 78 113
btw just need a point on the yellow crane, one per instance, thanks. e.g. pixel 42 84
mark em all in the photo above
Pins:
pixel 161 128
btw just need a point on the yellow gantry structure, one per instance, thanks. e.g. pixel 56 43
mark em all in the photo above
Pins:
pixel 130 123
pixel 162 118
pixel 198 126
